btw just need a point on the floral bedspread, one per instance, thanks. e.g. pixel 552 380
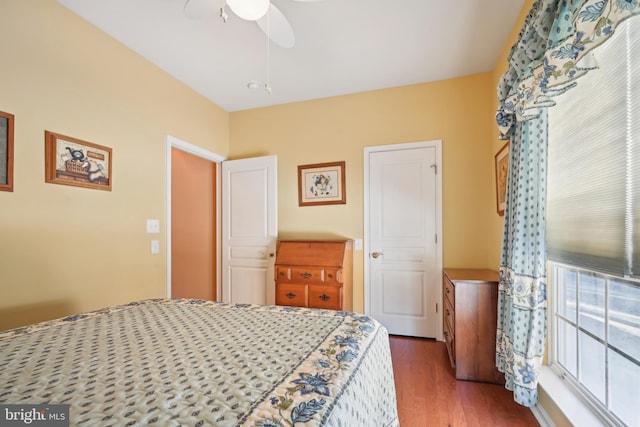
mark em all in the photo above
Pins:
pixel 200 363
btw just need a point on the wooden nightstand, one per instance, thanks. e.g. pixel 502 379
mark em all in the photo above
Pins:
pixel 470 322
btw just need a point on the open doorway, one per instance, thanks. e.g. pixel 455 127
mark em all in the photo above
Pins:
pixel 192 221
pixel 193 226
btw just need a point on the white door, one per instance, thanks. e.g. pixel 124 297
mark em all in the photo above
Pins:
pixel 403 235
pixel 249 230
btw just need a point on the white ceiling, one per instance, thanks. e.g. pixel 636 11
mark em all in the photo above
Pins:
pixel 342 46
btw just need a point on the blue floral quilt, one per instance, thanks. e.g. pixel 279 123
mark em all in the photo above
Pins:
pixel 201 363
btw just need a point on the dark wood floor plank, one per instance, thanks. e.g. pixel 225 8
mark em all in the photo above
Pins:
pixel 429 395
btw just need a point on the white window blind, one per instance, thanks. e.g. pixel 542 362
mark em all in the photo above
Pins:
pixel 593 200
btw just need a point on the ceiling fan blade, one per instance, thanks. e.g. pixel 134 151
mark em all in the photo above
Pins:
pixel 198 9
pixel 275 25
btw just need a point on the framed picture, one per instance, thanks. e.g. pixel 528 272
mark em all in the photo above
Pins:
pixel 6 151
pixel 502 171
pixel 72 161
pixel 321 184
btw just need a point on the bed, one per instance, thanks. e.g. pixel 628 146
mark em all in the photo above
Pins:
pixel 170 362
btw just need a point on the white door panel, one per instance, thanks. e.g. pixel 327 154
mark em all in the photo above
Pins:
pixel 401 185
pixel 253 290
pixel 249 230
pixel 402 292
pixel 403 259
pixel 250 204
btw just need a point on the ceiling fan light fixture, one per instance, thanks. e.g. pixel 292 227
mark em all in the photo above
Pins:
pixel 250 10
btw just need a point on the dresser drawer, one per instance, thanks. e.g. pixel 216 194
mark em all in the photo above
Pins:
pixel 283 274
pixel 329 297
pixel 333 275
pixel 450 342
pixel 307 274
pixel 449 316
pixel 291 294
pixel 449 291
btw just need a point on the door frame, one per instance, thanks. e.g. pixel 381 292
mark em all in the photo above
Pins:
pixel 173 142
pixel 437 144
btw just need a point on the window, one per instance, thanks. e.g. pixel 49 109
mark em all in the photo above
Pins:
pixel 596 331
pixel 593 231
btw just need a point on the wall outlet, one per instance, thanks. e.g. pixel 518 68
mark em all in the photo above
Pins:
pixel 155 247
pixel 153 226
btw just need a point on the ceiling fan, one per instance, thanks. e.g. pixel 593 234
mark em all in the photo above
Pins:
pixel 268 17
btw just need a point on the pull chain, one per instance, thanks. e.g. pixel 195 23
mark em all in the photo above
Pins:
pixel 267 85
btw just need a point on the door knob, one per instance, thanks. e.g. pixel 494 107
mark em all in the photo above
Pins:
pixel 376 254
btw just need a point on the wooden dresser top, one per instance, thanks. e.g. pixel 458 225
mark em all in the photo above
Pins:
pixel 471 275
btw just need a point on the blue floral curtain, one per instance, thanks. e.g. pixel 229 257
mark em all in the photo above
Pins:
pixel 554 48
pixel 522 310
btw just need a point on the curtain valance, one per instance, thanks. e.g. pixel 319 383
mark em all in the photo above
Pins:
pixel 553 50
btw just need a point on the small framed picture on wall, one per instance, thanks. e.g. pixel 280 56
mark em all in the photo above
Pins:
pixel 502 172
pixel 72 161
pixel 321 184
pixel 6 151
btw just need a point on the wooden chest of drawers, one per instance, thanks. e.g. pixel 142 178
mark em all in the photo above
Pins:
pixel 315 273
pixel 470 321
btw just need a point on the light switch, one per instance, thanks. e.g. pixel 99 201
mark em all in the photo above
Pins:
pixel 153 226
pixel 358 244
pixel 155 247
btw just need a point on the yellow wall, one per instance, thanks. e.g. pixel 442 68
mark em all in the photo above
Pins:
pixel 67 249
pixel 455 111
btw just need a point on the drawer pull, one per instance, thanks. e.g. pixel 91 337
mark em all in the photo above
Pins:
pixel 324 297
pixel 306 275
pixel 447 290
pixel 291 295
pixel 447 312
pixel 330 276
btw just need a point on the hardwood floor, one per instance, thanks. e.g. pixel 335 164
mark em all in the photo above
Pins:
pixel 429 395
